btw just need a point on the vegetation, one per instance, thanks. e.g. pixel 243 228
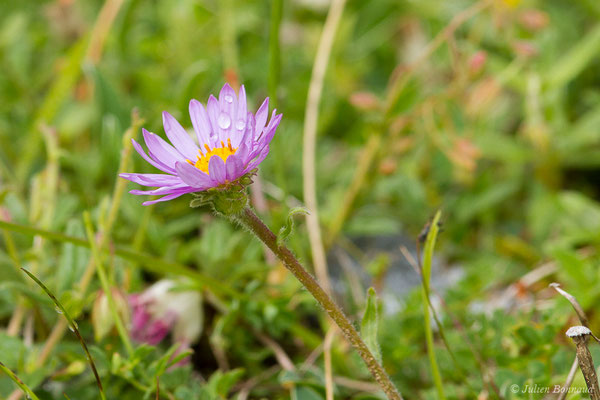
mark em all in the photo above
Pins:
pixel 487 111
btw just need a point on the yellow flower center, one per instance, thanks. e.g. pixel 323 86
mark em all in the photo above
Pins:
pixel 203 159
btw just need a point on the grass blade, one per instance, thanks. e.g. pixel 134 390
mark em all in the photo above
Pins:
pixel 427 261
pixel 28 392
pixel 73 326
pixel 150 262
pixel 105 284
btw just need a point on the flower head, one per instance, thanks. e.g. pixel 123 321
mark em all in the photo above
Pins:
pixel 161 310
pixel 231 143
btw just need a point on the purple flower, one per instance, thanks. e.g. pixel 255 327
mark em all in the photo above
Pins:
pixel 231 143
pixel 160 310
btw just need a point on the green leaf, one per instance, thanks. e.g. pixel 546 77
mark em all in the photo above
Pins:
pixel 73 259
pixel 426 276
pixel 288 228
pixel 573 62
pixel 370 324
pixel 305 393
pixel 220 384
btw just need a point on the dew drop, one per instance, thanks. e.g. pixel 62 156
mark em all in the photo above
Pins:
pixel 57 309
pixel 224 121
pixel 240 125
pixel 228 99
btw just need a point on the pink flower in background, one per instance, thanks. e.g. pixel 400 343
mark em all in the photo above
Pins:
pixel 160 310
pixel 231 142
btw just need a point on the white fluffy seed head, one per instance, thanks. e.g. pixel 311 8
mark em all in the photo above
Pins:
pixel 578 331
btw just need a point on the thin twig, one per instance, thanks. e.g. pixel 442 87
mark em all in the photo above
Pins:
pixel 280 354
pixel 569 381
pixel 576 306
pixel 311 117
pixel 356 385
pixel 104 22
pixel 579 335
pixel 327 362
pixel 247 386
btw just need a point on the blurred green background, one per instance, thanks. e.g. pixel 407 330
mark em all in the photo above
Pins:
pixel 490 114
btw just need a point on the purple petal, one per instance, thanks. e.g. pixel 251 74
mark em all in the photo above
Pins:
pixel 261 117
pixel 216 169
pixel 159 191
pixel 234 168
pixel 139 318
pixel 168 197
pixel 157 330
pixel 212 109
pixel 248 134
pixel 156 164
pixel 261 156
pixel 160 150
pixel 152 179
pixel 242 108
pixel 269 131
pixel 227 112
pixel 201 123
pixel 193 176
pixel 228 99
pixel 242 153
pixel 179 137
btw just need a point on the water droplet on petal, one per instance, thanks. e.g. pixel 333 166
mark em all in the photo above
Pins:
pixel 228 99
pixel 240 125
pixel 224 121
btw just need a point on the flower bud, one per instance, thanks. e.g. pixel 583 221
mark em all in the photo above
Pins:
pixel 364 101
pixel 533 20
pixel 102 316
pixel 477 61
pixel 161 310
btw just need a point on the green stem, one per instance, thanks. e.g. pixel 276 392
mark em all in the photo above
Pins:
pixel 106 285
pixel 251 221
pixel 427 260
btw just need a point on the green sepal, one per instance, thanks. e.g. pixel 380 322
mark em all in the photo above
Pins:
pixel 228 199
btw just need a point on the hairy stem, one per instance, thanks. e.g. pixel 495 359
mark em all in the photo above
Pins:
pixel 251 221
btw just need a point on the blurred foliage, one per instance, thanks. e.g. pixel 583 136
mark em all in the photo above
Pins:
pixel 499 127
